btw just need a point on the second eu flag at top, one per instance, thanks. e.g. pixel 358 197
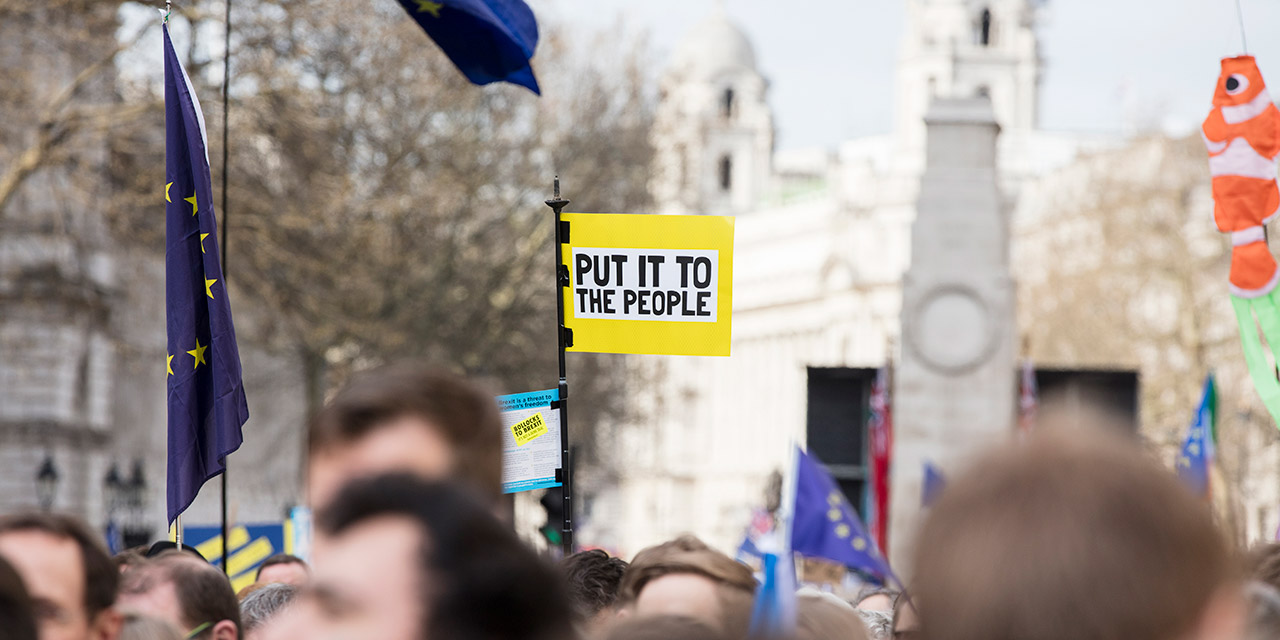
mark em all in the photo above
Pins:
pixel 488 40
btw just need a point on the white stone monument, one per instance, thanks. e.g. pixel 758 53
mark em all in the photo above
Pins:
pixel 954 386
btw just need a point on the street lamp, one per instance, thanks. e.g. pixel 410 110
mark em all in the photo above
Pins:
pixel 47 483
pixel 113 487
pixel 136 489
pixel 133 493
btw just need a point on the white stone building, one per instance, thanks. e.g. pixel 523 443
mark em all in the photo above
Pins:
pixel 823 241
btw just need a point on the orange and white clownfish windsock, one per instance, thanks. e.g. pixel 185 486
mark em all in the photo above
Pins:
pixel 1243 136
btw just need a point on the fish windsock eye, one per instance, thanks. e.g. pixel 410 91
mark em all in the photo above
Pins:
pixel 1236 83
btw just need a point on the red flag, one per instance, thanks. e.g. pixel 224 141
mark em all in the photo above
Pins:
pixel 880 428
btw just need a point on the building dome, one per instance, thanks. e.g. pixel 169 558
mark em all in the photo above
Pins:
pixel 713 46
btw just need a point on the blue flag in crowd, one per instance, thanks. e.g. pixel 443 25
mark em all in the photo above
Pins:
pixel 488 40
pixel 1197 449
pixel 774 613
pixel 206 395
pixel 934 482
pixel 823 524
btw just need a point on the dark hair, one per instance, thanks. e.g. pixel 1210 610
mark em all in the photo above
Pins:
pixel 1069 534
pixel 486 585
pixel 17 618
pixel 204 594
pixel 593 578
pixel 279 558
pixel 101 578
pixel 466 415
pixel 1262 563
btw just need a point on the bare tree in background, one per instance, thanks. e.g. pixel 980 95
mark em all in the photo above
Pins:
pixel 383 208
pixel 1123 267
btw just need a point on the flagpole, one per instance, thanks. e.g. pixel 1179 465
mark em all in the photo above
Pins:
pixel 226 104
pixel 563 341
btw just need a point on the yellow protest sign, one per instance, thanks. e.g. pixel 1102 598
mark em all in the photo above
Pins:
pixel 529 429
pixel 652 284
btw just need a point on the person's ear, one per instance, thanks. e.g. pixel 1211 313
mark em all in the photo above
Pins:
pixel 224 630
pixel 1223 618
pixel 106 625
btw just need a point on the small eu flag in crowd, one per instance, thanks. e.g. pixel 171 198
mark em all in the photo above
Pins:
pixel 934 483
pixel 773 615
pixel 206 399
pixel 1197 449
pixel 488 40
pixel 823 525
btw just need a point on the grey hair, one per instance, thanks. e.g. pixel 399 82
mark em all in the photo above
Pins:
pixel 258 607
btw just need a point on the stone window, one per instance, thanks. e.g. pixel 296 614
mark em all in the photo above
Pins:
pixel 726 172
pixel 726 103
pixel 984 28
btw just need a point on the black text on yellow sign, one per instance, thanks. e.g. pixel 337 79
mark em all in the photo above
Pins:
pixel 650 283
pixel 529 429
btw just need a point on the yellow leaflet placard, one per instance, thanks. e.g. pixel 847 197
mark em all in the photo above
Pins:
pixel 529 429
pixel 653 284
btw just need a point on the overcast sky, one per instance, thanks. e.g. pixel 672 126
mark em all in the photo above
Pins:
pixel 830 62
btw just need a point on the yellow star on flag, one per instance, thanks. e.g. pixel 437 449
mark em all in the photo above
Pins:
pixel 169 365
pixel 842 531
pixel 427 6
pixel 192 200
pixel 202 237
pixel 834 515
pixel 198 354
pixel 207 286
pixel 166 192
pixel 859 544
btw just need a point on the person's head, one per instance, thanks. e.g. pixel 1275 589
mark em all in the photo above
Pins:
pixel 259 607
pixel 184 591
pixel 1263 622
pixel 702 583
pixel 407 418
pixel 1262 563
pixel 283 568
pixel 906 622
pixel 129 558
pixel 593 578
pixel 681 543
pixel 17 619
pixel 1072 534
pixel 875 598
pixel 67 572
pixel 822 616
pixel 140 627
pixel 663 628
pixel 404 558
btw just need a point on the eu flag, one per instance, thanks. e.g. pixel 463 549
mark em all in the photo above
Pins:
pixel 207 406
pixel 773 615
pixel 823 524
pixel 488 40
pixel 934 483
pixel 1197 449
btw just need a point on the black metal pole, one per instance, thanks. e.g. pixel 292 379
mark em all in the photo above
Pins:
pixel 557 205
pixel 226 103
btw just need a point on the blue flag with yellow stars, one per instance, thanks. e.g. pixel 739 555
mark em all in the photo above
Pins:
pixel 823 525
pixel 488 40
pixel 1197 449
pixel 207 406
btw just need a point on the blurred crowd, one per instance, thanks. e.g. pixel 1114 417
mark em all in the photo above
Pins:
pixel 1074 532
